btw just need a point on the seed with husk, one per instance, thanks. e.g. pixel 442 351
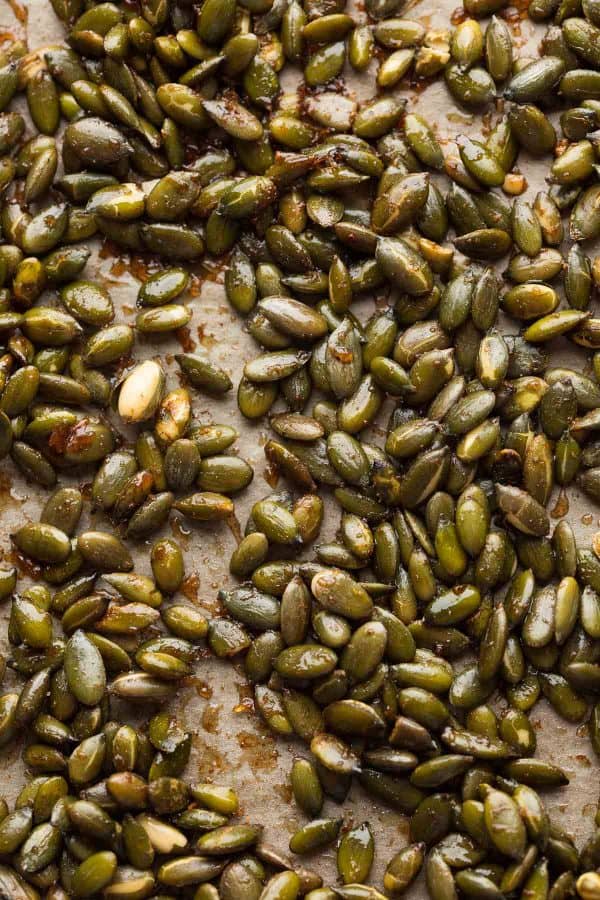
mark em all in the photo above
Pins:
pixel 141 392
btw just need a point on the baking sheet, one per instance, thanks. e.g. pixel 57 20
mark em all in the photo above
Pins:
pixel 230 745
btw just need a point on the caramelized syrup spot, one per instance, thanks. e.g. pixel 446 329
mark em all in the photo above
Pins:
pixel 246 698
pixel 210 717
pixel 561 507
pixel 208 759
pixel 21 13
pixel 458 16
pixel 271 475
pixel 206 339
pixel 203 689
pixel 189 587
pixel 8 496
pixel 25 565
pixel 234 526
pixel 258 751
pixel 185 339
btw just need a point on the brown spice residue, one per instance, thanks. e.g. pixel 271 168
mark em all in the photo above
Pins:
pixel 258 751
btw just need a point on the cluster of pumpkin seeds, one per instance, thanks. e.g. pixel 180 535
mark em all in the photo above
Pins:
pixel 409 651
pixel 120 820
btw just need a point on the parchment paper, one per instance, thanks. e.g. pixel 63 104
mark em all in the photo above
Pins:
pixel 230 744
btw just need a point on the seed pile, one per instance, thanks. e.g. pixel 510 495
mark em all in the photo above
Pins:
pixel 408 652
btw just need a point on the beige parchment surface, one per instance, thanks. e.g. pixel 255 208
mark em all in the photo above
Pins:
pixel 230 745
